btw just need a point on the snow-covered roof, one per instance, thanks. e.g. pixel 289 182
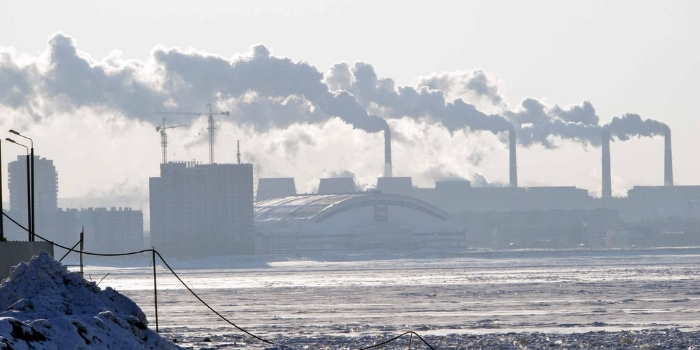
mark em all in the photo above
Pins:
pixel 299 206
pixel 318 207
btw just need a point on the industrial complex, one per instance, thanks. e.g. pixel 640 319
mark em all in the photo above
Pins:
pixel 454 215
pixel 217 209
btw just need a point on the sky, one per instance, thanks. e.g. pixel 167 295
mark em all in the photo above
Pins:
pixel 83 79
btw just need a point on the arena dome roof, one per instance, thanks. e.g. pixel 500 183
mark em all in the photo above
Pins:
pixel 319 207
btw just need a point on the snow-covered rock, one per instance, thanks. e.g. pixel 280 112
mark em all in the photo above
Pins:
pixel 45 306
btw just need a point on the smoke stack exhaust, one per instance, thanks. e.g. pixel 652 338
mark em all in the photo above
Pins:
pixel 668 160
pixel 387 152
pixel 607 183
pixel 513 159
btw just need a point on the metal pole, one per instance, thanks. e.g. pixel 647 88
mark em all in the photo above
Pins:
pixel 82 241
pixel 2 211
pixel 211 138
pixel 33 214
pixel 410 339
pixel 155 286
pixel 29 202
pixel 30 191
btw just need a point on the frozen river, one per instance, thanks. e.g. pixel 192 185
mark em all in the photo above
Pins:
pixel 368 297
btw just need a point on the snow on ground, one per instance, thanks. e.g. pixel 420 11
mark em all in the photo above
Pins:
pixel 47 307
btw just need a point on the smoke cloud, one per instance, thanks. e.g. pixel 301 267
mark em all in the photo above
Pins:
pixel 476 82
pixel 584 113
pixel 479 180
pixel 266 90
pixel 16 86
pixel 267 94
pixel 381 94
pixel 538 124
pixel 630 125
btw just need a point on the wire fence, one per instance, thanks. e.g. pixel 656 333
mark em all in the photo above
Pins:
pixel 155 290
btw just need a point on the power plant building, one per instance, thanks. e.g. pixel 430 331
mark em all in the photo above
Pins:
pixel 275 187
pixel 337 185
pixel 202 209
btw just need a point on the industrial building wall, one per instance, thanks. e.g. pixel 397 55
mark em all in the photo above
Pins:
pixel 13 253
pixel 199 210
pixel 539 228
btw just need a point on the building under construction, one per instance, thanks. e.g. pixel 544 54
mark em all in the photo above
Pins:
pixel 202 209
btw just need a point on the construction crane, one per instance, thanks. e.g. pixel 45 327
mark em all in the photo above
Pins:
pixel 164 137
pixel 211 128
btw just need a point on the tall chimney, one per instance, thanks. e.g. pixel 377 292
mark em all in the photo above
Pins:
pixel 607 183
pixel 513 159
pixel 668 160
pixel 387 152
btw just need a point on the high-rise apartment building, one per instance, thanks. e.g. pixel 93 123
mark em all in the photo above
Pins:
pixel 202 209
pixel 45 183
pixel 45 195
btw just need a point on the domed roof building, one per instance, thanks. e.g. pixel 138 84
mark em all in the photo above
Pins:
pixel 352 222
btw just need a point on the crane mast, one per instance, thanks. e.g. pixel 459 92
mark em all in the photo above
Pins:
pixel 211 126
pixel 212 131
pixel 164 138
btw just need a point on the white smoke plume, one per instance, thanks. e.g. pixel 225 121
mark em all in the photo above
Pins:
pixel 476 82
pixel 267 91
pixel 262 89
pixel 539 124
pixel 534 122
pixel 381 95
pixel 109 103
pixel 630 125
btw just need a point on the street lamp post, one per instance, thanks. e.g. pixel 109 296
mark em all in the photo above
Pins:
pixel 29 202
pixel 32 179
pixel 2 212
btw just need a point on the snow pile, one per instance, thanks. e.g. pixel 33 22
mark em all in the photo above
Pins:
pixel 45 306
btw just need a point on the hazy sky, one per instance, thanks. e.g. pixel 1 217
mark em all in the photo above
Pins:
pixel 622 56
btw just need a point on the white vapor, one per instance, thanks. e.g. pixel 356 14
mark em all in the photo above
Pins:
pixel 95 118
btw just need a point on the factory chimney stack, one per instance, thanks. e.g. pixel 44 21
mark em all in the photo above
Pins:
pixel 668 160
pixel 607 183
pixel 513 159
pixel 387 152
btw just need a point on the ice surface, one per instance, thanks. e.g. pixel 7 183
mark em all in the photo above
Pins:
pixel 45 306
pixel 481 300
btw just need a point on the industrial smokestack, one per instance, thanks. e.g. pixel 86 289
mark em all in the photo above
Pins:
pixel 607 183
pixel 513 159
pixel 387 152
pixel 668 160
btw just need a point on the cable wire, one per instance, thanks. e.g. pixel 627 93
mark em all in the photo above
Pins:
pixel 207 305
pixel 396 338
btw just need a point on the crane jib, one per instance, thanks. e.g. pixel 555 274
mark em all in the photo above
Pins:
pixel 211 128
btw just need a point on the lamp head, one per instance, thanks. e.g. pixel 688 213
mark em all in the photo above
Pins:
pixel 14 132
